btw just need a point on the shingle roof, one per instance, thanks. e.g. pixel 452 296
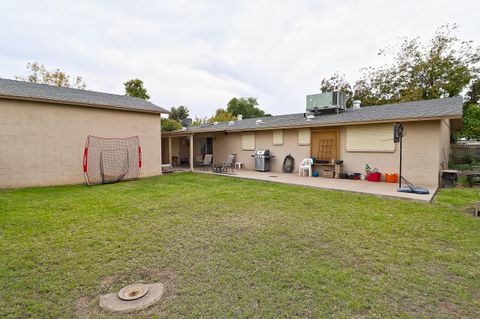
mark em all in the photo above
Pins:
pixel 427 109
pixel 49 93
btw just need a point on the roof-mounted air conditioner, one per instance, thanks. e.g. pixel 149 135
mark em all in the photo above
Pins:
pixel 326 101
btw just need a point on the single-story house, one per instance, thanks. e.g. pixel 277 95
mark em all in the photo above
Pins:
pixel 43 130
pixel 356 136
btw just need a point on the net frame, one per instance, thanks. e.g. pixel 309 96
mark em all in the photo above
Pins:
pixel 111 159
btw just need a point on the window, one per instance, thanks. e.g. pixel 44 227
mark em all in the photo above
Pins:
pixel 304 136
pixel 278 137
pixel 248 142
pixel 370 138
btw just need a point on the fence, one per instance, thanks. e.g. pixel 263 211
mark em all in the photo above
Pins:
pixel 465 153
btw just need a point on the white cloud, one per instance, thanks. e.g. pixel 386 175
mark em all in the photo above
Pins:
pixel 202 53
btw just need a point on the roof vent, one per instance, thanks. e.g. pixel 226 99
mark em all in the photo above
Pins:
pixel 215 123
pixel 356 104
pixel 239 117
pixel 231 122
pixel 259 122
pixel 310 117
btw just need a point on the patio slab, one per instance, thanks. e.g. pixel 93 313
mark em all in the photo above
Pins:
pixel 380 189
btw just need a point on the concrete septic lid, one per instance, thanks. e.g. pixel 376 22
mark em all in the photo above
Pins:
pixel 133 292
pixel 112 302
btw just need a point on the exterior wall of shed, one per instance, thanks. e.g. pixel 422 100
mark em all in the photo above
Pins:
pixel 424 144
pixel 42 144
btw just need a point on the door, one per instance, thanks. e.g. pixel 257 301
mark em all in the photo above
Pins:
pixel 209 147
pixel 324 145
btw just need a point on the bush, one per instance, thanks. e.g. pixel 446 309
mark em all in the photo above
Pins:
pixel 169 125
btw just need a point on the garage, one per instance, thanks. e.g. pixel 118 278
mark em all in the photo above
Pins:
pixel 43 131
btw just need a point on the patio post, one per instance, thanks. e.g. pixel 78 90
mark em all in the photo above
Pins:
pixel 191 152
pixel 170 151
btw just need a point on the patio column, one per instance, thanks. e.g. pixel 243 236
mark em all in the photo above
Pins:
pixel 191 152
pixel 170 151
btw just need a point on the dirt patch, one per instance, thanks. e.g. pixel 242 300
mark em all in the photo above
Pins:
pixel 167 276
pixel 474 210
pixel 108 281
pixel 88 307
pixel 82 306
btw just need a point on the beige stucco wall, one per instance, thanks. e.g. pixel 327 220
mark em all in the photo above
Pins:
pixel 444 143
pixel 421 146
pixel 42 144
pixel 232 143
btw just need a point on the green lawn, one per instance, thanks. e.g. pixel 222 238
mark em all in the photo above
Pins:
pixel 227 247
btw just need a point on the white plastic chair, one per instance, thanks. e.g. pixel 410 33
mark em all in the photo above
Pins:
pixel 305 165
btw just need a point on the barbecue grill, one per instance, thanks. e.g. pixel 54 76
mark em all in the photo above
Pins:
pixel 262 160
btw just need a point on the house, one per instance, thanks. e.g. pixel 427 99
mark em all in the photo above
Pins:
pixel 43 130
pixel 355 135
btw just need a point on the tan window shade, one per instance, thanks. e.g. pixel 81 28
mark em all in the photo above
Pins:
pixel 370 138
pixel 278 137
pixel 304 136
pixel 248 142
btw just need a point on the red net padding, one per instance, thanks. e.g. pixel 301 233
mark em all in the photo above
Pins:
pixel 110 160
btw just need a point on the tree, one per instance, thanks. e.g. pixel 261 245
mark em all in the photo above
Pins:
pixel 246 107
pixel 442 67
pixel 135 88
pixel 222 116
pixel 471 113
pixel 337 82
pixel 178 113
pixel 39 74
pixel 471 122
pixel 169 125
pixel 199 121
pixel 473 93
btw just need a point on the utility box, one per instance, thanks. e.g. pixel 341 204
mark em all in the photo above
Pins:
pixel 334 100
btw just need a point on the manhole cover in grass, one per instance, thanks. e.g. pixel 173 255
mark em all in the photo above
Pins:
pixel 133 297
pixel 133 292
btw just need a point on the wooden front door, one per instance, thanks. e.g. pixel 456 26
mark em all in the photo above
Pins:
pixel 324 145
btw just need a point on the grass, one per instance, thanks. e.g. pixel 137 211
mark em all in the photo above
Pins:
pixel 228 247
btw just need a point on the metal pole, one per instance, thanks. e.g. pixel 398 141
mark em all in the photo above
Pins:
pixel 170 152
pixel 400 177
pixel 191 152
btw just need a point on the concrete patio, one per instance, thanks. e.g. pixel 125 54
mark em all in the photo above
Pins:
pixel 380 189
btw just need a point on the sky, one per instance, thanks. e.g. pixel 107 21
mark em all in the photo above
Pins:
pixel 202 53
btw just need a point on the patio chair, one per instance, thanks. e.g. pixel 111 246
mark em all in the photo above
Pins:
pixel 230 163
pixel 198 159
pixel 207 161
pixel 305 165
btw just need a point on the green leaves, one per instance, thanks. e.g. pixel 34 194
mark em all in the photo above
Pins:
pixel 471 122
pixel 135 88
pixel 442 67
pixel 178 113
pixel 39 74
pixel 246 107
pixel 222 116
pixel 169 125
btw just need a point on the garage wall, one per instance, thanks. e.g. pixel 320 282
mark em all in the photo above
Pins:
pixel 42 144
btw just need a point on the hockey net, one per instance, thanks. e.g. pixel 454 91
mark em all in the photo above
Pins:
pixel 110 160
